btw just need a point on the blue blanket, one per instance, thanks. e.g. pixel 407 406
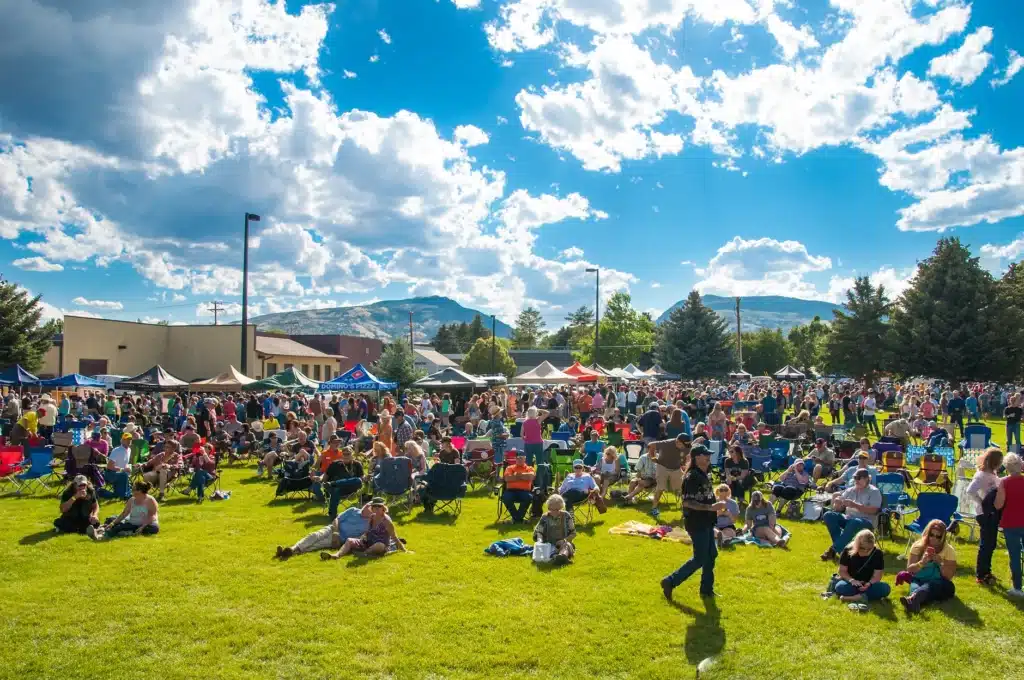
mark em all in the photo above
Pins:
pixel 750 539
pixel 509 546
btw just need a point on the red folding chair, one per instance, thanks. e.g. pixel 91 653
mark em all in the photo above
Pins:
pixel 12 462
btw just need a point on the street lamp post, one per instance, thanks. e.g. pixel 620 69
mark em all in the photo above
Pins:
pixel 494 341
pixel 249 217
pixel 597 314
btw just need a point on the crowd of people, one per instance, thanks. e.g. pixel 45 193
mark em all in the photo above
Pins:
pixel 336 447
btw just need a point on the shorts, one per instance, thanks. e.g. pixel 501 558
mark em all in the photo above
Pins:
pixel 647 482
pixel 665 476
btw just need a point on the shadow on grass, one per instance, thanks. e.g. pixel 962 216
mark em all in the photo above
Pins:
pixel 313 519
pixel 883 609
pixel 957 610
pixel 39 537
pixel 443 517
pixel 254 480
pixel 705 636
pixel 179 500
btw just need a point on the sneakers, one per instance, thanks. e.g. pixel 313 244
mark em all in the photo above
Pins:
pixel 667 588
pixel 1015 592
pixel 829 554
pixel 987 580
pixel 784 541
pixel 559 560
pixel 654 512
pixel 94 533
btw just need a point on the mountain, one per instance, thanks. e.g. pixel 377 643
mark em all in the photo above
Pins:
pixel 384 320
pixel 767 311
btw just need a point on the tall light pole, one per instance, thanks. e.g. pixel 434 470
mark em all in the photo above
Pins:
pixel 597 314
pixel 249 217
pixel 494 340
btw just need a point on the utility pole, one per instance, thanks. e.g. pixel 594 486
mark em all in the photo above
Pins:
pixel 215 308
pixel 494 341
pixel 597 312
pixel 249 217
pixel 739 334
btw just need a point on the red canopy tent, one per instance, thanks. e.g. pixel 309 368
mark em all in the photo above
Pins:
pixel 582 373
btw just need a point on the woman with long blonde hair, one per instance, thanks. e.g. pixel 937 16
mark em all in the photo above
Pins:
pixel 861 567
pixel 930 568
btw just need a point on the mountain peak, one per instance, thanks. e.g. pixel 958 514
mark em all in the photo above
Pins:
pixel 765 311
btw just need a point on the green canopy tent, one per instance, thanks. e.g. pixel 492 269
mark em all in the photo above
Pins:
pixel 288 380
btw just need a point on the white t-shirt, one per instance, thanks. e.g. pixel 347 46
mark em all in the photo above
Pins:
pixel 120 457
pixel 869 406
pixel 49 417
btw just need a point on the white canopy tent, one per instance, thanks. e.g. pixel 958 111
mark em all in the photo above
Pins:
pixel 635 372
pixel 545 374
pixel 229 381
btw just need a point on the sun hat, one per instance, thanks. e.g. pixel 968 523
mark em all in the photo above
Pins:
pixel 577 463
pixel 377 501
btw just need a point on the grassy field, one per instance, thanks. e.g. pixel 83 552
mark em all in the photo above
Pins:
pixel 206 599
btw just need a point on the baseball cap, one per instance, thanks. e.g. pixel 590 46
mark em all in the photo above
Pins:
pixel 577 463
pixel 819 440
pixel 700 450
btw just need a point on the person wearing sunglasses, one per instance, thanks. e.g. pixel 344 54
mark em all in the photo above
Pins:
pixel 580 487
pixel 930 569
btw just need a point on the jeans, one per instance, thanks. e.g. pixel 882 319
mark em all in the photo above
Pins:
pixel 850 418
pixel 875 591
pixel 572 497
pixel 871 422
pixel 316 489
pixel 842 529
pixel 120 481
pixel 1012 437
pixel 517 502
pixel 70 524
pixel 200 478
pixel 129 528
pixel 704 554
pixel 339 489
pixel 989 526
pixel 1014 538
pixel 923 592
pixel 533 451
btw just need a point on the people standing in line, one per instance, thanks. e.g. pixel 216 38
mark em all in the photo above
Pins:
pixel 700 513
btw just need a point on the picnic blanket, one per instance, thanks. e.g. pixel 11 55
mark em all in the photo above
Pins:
pixel 662 533
pixel 750 539
pixel 509 546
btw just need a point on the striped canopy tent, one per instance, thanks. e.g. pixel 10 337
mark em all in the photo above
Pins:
pixel 582 373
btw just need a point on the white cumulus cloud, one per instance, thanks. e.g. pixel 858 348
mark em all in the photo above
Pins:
pixel 967 62
pixel 37 264
pixel 98 304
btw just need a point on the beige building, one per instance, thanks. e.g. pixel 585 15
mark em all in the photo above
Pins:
pixel 109 347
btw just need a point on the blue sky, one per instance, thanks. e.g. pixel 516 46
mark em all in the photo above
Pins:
pixel 493 151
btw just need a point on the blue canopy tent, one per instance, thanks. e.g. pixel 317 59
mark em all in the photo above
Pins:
pixel 16 375
pixel 355 379
pixel 73 380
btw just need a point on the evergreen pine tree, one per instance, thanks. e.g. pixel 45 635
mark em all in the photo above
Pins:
pixel 23 338
pixel 528 330
pixel 695 342
pixel 857 344
pixel 949 323
pixel 396 364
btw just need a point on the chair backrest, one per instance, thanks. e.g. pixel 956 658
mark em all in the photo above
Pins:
pixel 932 466
pixel 717 449
pixel 892 461
pixel 633 451
pixel 977 436
pixel 10 459
pixel 561 436
pixel 516 443
pixel 395 475
pixel 822 431
pixel 459 443
pixel 845 450
pixel 448 477
pixel 939 506
pixel 966 504
pixel 40 460
pixel 615 438
pixel 892 487
pixel 760 460
pixel 82 454
pixel 968 461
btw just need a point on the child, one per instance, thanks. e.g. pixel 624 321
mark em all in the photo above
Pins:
pixel 760 521
pixel 725 524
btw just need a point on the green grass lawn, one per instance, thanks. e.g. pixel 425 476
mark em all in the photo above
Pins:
pixel 206 599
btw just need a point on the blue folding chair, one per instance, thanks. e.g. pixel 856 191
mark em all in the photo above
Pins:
pixel 40 474
pixel 894 499
pixel 940 506
pixel 976 436
pixel 393 480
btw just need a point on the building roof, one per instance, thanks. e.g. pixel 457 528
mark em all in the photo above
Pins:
pixel 277 346
pixel 435 357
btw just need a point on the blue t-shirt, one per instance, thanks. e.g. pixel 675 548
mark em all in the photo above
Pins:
pixel 268 407
pixel 651 424
pixel 591 452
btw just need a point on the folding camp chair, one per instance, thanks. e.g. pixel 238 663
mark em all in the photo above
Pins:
pixel 446 486
pixel 480 467
pixel 560 460
pixel 894 461
pixel 541 489
pixel 932 473
pixel 895 501
pixel 295 480
pixel 967 510
pixel 12 463
pixel 583 512
pixel 41 473
pixel 940 506
pixel 976 436
pixel 393 480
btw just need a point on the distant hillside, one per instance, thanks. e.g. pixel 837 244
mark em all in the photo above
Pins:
pixel 384 320
pixel 767 311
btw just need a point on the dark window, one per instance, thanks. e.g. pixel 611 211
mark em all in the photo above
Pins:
pixel 327 373
pixel 316 372
pixel 92 366
pixel 305 369
pixel 271 369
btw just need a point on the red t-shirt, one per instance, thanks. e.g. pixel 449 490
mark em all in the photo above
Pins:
pixel 1013 510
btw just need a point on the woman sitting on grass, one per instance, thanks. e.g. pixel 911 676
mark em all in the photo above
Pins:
pixel 725 524
pixel 79 509
pixel 930 569
pixel 140 516
pixel 557 527
pixel 380 537
pixel 760 521
pixel 861 566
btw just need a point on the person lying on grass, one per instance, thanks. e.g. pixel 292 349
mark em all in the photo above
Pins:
pixel 557 527
pixel 379 539
pixel 760 521
pixel 725 523
pixel 861 566
pixel 140 516
pixel 352 523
